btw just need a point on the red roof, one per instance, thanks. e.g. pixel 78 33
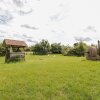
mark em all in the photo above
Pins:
pixel 17 43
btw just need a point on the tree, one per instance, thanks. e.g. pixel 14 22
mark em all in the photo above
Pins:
pixel 78 50
pixel 56 48
pixel 65 50
pixel 42 48
pixel 2 50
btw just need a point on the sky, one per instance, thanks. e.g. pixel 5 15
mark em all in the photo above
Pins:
pixel 61 21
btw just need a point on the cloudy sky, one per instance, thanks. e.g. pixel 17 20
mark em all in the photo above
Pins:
pixel 65 21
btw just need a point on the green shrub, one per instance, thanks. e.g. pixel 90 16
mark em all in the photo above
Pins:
pixel 78 50
pixel 65 50
pixel 2 50
pixel 56 48
pixel 41 48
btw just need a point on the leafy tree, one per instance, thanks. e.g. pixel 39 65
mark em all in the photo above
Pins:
pixel 65 50
pixel 56 48
pixel 2 50
pixel 78 50
pixel 42 48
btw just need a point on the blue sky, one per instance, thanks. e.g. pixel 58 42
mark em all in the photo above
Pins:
pixel 65 21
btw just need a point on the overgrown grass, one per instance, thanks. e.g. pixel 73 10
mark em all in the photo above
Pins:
pixel 50 78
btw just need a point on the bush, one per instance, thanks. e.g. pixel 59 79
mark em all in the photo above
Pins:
pixel 2 50
pixel 78 50
pixel 42 48
pixel 65 50
pixel 56 48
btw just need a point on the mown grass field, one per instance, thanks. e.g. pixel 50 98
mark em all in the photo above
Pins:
pixel 50 78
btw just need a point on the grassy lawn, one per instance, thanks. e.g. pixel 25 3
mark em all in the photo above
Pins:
pixel 50 78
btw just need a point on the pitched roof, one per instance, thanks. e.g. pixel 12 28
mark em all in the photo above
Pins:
pixel 16 43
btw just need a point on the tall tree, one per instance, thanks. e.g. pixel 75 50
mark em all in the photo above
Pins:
pixel 56 48
pixel 42 48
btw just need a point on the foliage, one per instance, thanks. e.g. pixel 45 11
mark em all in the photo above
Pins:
pixel 65 50
pixel 78 50
pixel 56 48
pixel 2 50
pixel 42 48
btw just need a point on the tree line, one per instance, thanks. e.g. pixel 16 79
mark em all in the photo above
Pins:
pixel 44 48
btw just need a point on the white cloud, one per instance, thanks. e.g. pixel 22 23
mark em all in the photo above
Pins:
pixel 57 20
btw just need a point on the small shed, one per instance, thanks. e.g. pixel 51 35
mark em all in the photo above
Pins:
pixel 14 50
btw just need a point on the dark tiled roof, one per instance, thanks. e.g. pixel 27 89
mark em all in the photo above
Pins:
pixel 9 42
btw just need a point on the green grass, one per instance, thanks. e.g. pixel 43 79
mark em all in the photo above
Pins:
pixel 50 78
